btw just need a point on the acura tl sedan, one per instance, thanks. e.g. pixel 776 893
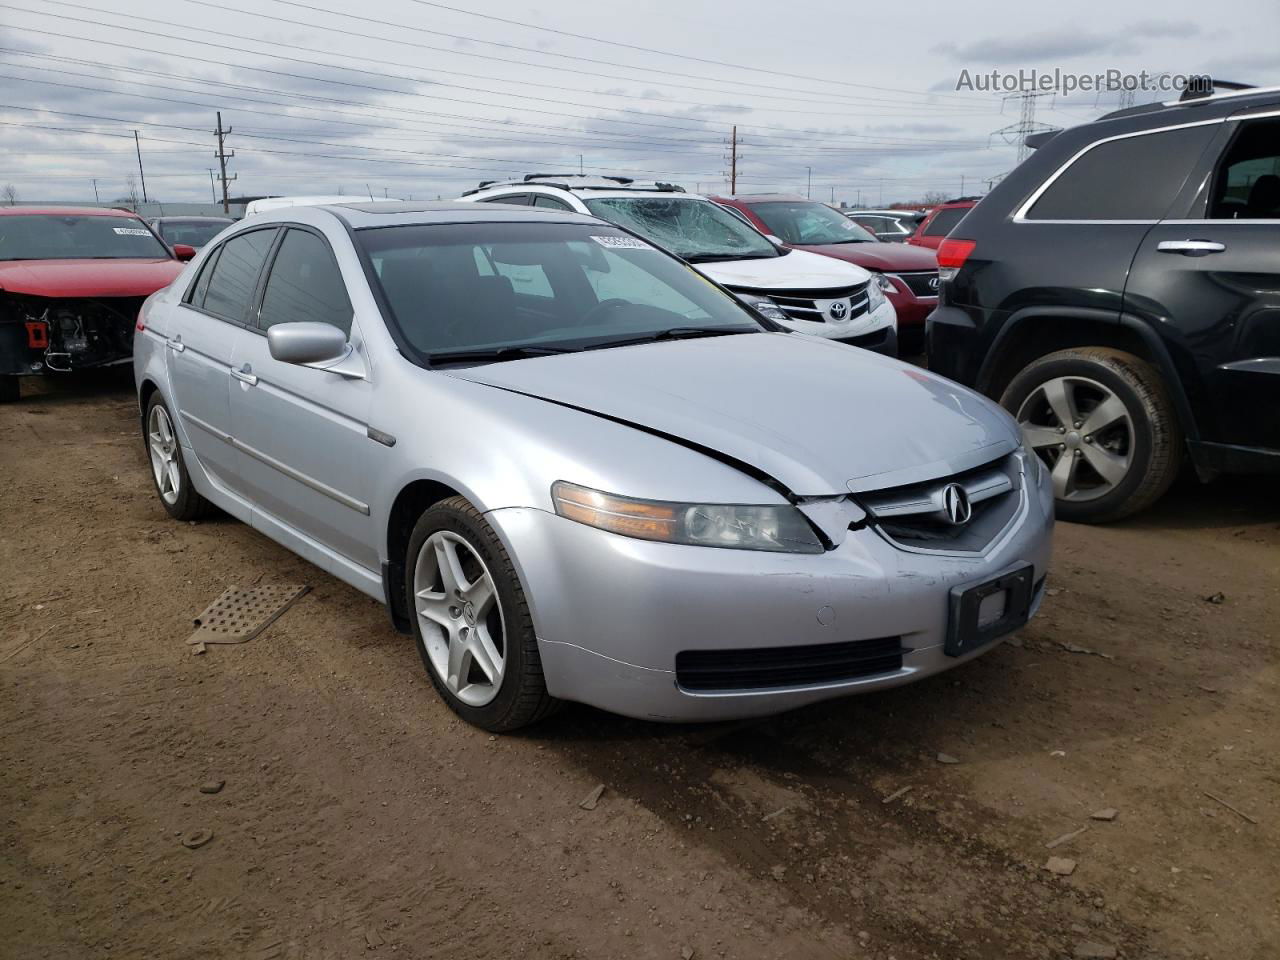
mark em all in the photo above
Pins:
pixel 573 468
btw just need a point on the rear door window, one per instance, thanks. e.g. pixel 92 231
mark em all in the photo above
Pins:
pixel 1134 178
pixel 235 275
pixel 551 203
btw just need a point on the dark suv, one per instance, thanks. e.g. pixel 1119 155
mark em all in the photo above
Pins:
pixel 1120 293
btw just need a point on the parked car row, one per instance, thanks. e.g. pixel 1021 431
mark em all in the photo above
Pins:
pixel 802 291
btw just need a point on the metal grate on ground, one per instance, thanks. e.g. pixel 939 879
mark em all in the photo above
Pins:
pixel 241 614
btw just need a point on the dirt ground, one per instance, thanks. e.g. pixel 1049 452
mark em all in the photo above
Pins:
pixel 359 817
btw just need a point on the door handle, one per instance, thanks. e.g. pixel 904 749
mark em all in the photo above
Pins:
pixel 1190 248
pixel 176 344
pixel 244 376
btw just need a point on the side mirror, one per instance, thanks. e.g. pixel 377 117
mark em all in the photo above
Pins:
pixel 184 251
pixel 306 342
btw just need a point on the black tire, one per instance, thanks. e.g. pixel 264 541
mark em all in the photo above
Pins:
pixel 189 504
pixel 1155 455
pixel 522 697
pixel 10 388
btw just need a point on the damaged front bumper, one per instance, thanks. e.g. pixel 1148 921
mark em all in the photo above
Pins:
pixel 61 335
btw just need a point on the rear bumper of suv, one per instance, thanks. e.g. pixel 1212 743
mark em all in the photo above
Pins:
pixel 952 337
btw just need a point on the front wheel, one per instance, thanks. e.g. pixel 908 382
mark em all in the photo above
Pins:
pixel 470 620
pixel 1102 422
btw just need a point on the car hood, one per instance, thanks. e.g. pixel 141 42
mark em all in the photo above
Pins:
pixel 821 418
pixel 796 270
pixel 88 278
pixel 884 257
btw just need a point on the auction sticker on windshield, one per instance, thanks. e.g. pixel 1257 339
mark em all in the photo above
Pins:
pixel 625 243
pixel 132 231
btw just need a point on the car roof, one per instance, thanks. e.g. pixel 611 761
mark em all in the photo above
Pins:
pixel 66 212
pixel 192 219
pixel 766 198
pixel 401 213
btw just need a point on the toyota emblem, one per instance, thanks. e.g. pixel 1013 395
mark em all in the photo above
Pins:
pixel 956 505
pixel 839 310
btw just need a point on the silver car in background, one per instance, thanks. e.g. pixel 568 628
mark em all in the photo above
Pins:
pixel 575 469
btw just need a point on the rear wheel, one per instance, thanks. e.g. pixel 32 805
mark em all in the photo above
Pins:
pixel 471 622
pixel 168 469
pixel 1102 422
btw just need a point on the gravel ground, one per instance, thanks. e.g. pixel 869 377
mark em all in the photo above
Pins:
pixel 359 816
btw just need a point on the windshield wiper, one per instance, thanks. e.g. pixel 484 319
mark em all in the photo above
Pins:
pixel 706 257
pixel 497 353
pixel 675 333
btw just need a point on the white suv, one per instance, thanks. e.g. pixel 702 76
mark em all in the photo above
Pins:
pixel 811 294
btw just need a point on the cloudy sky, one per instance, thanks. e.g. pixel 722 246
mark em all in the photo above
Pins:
pixel 424 99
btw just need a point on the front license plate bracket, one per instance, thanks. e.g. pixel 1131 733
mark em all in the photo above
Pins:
pixel 965 632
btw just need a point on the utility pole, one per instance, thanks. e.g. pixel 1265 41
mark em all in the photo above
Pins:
pixel 223 157
pixel 212 190
pixel 833 194
pixel 579 164
pixel 138 146
pixel 733 161
pixel 808 190
pixel 95 190
pixel 962 184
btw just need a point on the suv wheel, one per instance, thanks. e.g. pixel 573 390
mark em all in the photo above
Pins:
pixel 471 622
pixel 1102 422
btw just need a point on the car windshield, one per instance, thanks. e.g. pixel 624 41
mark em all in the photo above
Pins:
pixel 71 237
pixel 809 222
pixel 461 291
pixel 697 230
pixel 195 233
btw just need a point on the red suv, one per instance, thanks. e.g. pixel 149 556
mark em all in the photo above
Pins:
pixel 940 221
pixel 909 277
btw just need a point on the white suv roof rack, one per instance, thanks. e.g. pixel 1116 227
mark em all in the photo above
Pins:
pixel 579 181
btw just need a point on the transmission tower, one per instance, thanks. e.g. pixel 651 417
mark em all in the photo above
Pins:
pixel 1027 123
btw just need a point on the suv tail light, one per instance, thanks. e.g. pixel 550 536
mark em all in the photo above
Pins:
pixel 952 253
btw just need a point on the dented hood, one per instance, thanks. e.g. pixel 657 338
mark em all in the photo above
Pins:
pixel 822 418
pixel 88 278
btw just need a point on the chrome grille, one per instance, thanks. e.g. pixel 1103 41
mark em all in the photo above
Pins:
pixel 815 305
pixel 913 516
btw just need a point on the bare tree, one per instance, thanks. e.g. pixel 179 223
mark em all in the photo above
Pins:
pixel 933 197
pixel 131 198
pixel 10 194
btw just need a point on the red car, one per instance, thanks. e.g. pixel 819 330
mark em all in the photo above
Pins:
pixel 72 280
pixel 908 276
pixel 941 220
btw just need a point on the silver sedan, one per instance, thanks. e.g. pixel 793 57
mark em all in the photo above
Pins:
pixel 575 469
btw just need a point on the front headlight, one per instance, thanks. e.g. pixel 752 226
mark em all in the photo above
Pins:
pixel 778 528
pixel 884 283
pixel 763 306
pixel 875 292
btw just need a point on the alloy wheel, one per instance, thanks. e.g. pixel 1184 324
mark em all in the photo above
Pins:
pixel 458 612
pixel 1082 431
pixel 164 455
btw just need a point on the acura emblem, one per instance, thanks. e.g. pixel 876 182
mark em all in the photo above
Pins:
pixel 839 310
pixel 956 505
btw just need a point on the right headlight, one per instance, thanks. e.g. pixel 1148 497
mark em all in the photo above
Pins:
pixel 763 306
pixel 779 528
pixel 875 293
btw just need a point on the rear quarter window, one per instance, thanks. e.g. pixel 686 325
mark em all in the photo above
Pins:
pixel 1134 178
